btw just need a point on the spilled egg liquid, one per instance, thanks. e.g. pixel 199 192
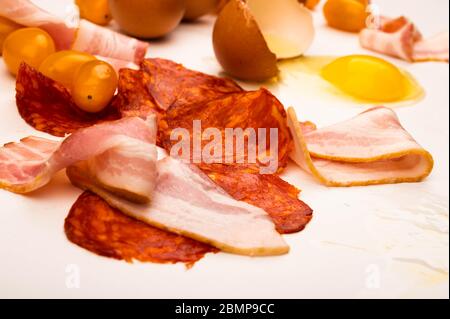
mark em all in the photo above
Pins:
pixel 359 78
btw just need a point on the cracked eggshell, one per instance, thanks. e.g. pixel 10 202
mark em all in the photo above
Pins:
pixel 287 26
pixel 249 36
pixel 240 46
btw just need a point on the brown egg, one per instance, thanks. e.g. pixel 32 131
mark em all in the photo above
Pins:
pixel 251 35
pixel 246 56
pixel 147 18
pixel 198 8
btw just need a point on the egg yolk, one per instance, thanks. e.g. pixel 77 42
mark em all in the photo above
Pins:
pixel 94 86
pixel 6 27
pixel 63 65
pixel 30 45
pixel 96 11
pixel 366 77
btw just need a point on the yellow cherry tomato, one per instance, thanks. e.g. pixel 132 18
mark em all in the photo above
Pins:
pixel 346 15
pixel 366 77
pixel 63 65
pixel 30 45
pixel 96 11
pixel 94 86
pixel 6 27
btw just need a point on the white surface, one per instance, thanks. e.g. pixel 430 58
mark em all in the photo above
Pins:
pixel 378 241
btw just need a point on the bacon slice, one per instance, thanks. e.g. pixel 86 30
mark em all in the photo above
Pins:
pixel 432 49
pixel 371 148
pixel 120 155
pixel 394 37
pixel 98 40
pixel 401 39
pixel 22 164
pixel 101 229
pixel 87 37
pixel 118 64
pixel 187 202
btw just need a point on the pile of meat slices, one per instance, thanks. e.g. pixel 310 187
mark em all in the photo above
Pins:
pixel 137 206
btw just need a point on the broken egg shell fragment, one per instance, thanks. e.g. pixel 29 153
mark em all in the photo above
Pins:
pixel 286 25
pixel 250 36
pixel 240 46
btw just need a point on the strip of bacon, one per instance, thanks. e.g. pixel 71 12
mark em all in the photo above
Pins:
pixel 98 40
pixel 87 37
pixel 432 49
pixel 118 64
pixel 120 155
pixel 401 39
pixel 186 202
pixel 371 148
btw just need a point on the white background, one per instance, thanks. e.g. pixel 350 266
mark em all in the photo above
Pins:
pixel 378 241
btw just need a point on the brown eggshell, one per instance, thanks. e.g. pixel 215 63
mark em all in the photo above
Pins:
pixel 240 46
pixel 147 18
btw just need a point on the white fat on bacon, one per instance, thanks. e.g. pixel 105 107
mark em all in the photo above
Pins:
pixel 118 64
pixel 401 39
pixel 87 37
pixel 98 40
pixel 185 201
pixel 121 156
pixel 371 148
pixel 432 49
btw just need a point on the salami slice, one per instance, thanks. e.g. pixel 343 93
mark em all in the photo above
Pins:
pixel 101 229
pixel 269 192
pixel 48 106
pixel 173 84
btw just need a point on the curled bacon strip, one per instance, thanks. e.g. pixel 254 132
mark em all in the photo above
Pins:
pixel 116 152
pixel 86 37
pixel 371 148
pixel 401 39
pixel 98 40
